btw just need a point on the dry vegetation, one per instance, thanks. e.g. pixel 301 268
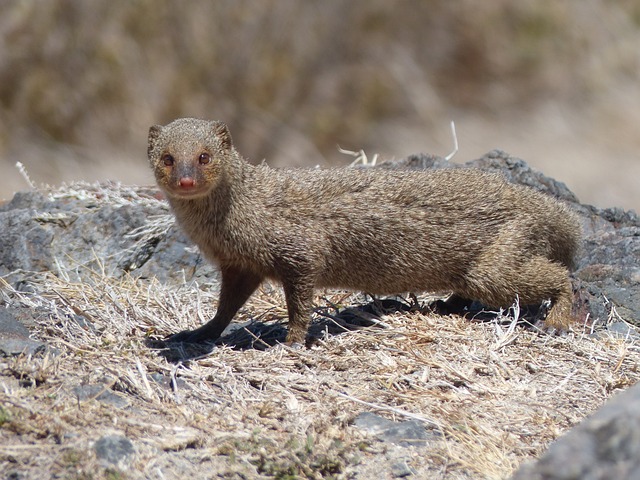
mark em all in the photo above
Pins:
pixel 493 394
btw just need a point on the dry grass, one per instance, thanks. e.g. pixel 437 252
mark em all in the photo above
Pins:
pixel 494 395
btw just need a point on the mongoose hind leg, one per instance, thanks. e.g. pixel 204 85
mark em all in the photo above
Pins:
pixel 533 282
pixel 559 318
pixel 544 279
pixel 237 287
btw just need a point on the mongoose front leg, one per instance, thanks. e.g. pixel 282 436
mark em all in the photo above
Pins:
pixel 298 295
pixel 237 287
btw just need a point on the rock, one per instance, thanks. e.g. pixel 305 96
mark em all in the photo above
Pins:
pixel 115 450
pixel 514 169
pixel 87 392
pixel 128 229
pixel 12 347
pixel 408 432
pixel 624 330
pixel 101 392
pixel 114 399
pixel 10 327
pixel 15 475
pixel 166 382
pixel 605 446
pixel 14 337
pixel 177 438
pixel 401 469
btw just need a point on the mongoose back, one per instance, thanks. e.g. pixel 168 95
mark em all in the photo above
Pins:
pixel 457 230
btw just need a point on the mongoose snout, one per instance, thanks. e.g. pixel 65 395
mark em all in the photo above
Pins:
pixel 379 231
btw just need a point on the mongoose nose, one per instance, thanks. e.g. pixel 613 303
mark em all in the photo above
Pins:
pixel 187 182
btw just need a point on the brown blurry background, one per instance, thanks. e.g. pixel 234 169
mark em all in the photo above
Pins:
pixel 555 83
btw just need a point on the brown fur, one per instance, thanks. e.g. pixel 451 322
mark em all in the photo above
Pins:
pixel 378 231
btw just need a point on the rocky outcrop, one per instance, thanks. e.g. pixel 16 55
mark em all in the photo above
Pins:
pixel 14 335
pixel 603 447
pixel 118 230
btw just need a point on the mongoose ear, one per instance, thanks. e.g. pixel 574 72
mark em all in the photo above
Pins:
pixel 154 134
pixel 222 132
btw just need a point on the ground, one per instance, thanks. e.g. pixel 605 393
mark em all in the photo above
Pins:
pixel 490 395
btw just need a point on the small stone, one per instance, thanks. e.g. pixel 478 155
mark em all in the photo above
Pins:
pixel 101 392
pixel 10 327
pixel 409 432
pixel 14 337
pixel 115 450
pixel 87 392
pixel 13 347
pixel 401 469
pixel 15 475
pixel 624 330
pixel 113 398
pixel 178 438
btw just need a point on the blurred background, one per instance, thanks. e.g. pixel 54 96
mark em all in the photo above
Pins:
pixel 555 83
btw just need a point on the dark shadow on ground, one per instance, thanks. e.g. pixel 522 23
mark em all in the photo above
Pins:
pixel 333 321
pixel 261 335
pixel 528 315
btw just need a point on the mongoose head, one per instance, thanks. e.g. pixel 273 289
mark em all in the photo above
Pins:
pixel 188 156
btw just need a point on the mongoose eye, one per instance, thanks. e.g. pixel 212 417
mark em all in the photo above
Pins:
pixel 204 158
pixel 168 160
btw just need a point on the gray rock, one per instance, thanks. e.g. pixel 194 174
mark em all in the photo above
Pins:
pixel 10 327
pixel 14 337
pixel 12 347
pixel 401 469
pixel 114 399
pixel 166 382
pixel 605 446
pixel 15 475
pixel 87 392
pixel 41 232
pixel 101 392
pixel 409 432
pixel 115 450
pixel 514 170
pixel 624 330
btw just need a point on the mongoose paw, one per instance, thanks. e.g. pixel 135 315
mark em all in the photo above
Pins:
pixel 552 330
pixel 556 322
pixel 296 338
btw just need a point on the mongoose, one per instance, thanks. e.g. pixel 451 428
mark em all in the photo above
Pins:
pixel 382 232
